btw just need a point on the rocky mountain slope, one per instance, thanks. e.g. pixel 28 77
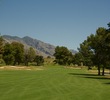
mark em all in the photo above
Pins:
pixel 41 48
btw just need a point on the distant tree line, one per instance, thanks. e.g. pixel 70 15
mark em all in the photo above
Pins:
pixel 94 51
pixel 15 54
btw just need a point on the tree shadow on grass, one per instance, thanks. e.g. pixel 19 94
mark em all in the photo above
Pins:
pixel 91 76
pixel 107 83
pixel 98 77
pixel 78 74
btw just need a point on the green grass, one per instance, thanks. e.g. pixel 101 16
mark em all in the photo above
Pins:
pixel 54 83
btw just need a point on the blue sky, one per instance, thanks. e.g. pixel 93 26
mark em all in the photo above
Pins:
pixel 58 22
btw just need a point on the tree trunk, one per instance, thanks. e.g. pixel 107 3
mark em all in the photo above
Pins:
pixel 14 63
pixel 26 63
pixel 103 70
pixel 98 69
pixel 18 63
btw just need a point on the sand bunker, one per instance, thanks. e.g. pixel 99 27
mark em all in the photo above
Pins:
pixel 20 68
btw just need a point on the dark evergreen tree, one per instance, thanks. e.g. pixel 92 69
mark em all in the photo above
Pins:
pixel 100 47
pixel 86 53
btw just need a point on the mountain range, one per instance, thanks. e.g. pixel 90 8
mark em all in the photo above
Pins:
pixel 42 48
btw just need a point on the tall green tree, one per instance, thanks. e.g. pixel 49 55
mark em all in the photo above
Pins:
pixel 100 48
pixel 78 59
pixel 8 54
pixel 1 45
pixel 18 49
pixel 107 40
pixel 86 53
pixel 63 55
pixel 1 49
pixel 29 55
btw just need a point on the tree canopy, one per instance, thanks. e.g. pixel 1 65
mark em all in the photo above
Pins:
pixel 63 55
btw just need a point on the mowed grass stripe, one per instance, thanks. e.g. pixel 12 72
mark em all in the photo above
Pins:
pixel 52 84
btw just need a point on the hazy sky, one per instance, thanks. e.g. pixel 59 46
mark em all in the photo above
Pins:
pixel 58 22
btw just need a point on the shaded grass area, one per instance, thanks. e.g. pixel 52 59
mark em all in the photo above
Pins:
pixel 53 83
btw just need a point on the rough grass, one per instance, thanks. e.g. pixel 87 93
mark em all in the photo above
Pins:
pixel 53 83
